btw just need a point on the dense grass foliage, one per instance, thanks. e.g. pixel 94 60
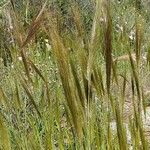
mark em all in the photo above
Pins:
pixel 74 74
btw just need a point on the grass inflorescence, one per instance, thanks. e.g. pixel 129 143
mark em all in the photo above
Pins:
pixel 74 74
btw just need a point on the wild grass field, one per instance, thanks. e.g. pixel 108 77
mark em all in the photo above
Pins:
pixel 74 75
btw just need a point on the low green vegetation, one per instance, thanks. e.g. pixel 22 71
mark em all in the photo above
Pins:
pixel 74 74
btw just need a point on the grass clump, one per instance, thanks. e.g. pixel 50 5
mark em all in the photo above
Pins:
pixel 74 75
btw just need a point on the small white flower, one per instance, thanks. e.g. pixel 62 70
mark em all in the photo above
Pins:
pixel 132 35
pixel 103 19
pixel 12 66
pixel 46 40
pixel 20 58
pixel 48 47
pixel 11 27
